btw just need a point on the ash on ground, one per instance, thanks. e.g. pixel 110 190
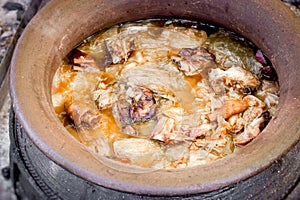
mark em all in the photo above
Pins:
pixel 11 12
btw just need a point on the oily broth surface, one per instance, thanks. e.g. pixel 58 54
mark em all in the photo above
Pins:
pixel 165 93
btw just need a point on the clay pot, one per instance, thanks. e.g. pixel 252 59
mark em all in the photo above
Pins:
pixel 62 24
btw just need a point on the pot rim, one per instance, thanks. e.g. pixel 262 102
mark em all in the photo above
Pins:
pixel 31 99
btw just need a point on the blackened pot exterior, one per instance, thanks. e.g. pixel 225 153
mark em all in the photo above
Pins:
pixel 35 176
pixel 63 24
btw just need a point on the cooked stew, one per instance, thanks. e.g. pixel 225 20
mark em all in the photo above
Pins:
pixel 165 93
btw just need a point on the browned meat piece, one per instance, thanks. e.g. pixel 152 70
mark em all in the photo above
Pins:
pixel 83 114
pixel 235 77
pixel 86 59
pixel 170 126
pixel 192 61
pixel 250 132
pixel 234 106
pixel 200 131
pixel 111 51
pixel 254 101
pixel 144 107
pixel 164 130
pixel 252 122
pixel 138 106
pixel 83 62
pixel 124 112
pixel 119 50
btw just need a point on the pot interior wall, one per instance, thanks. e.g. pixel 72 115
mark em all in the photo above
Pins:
pixel 61 25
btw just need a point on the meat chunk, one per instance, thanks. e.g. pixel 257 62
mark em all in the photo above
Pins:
pixel 192 61
pixel 83 62
pixel 83 114
pixel 254 101
pixel 138 106
pixel 110 51
pixel 234 106
pixel 171 127
pixel 164 130
pixel 143 102
pixel 235 77
pixel 87 60
pixel 250 132
pixel 119 50
pixel 123 112
pixel 252 121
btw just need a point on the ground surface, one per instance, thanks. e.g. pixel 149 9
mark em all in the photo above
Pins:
pixel 10 15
